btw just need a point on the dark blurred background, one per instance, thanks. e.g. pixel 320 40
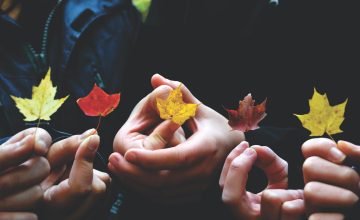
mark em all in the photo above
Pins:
pixel 223 50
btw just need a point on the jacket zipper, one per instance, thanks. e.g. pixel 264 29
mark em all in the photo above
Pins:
pixel 39 60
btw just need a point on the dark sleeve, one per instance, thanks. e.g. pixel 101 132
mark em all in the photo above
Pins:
pixel 4 136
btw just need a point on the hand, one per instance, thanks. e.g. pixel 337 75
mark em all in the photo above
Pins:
pixel 80 187
pixel 329 184
pixel 275 202
pixel 22 168
pixel 183 171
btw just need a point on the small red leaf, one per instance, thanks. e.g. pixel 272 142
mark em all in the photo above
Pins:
pixel 98 102
pixel 247 116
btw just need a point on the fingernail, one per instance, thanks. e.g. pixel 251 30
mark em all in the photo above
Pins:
pixel 92 146
pixel 131 157
pixel 336 154
pixel 42 145
pixel 114 160
pixel 87 134
pixel 249 152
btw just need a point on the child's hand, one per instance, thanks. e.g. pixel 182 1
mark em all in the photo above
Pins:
pixel 275 202
pixel 329 183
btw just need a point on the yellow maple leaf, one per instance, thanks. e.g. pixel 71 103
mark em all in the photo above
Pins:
pixel 174 108
pixel 143 6
pixel 322 117
pixel 42 104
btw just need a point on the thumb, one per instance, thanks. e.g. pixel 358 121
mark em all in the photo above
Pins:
pixel 158 80
pixel 81 174
pixel 161 135
pixel 350 150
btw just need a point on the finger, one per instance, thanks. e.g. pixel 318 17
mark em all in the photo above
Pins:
pixel 81 174
pixel 97 194
pixel 143 118
pixel 327 216
pixel 293 210
pixel 157 180
pixel 324 148
pixel 64 151
pixel 23 200
pixel 319 195
pixel 351 150
pixel 273 199
pixel 79 184
pixel 233 154
pixel 160 187
pixel 275 168
pixel 320 170
pixel 30 173
pixel 41 142
pixel 236 179
pixel 158 80
pixel 195 149
pixel 54 176
pixel 18 216
pixel 161 135
pixel 13 154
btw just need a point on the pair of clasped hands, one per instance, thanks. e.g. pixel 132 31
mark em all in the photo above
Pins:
pixel 155 159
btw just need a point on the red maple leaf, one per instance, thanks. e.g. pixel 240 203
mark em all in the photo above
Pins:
pixel 98 103
pixel 247 116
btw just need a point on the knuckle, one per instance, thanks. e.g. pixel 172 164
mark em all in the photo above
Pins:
pixel 270 196
pixel 309 164
pixel 229 199
pixel 310 191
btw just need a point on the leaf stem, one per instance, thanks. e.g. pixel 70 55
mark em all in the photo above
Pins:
pixel 331 137
pixel 37 126
pixel 98 125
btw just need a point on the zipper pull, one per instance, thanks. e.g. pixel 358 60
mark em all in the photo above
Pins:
pixel 99 81
pixel 40 59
